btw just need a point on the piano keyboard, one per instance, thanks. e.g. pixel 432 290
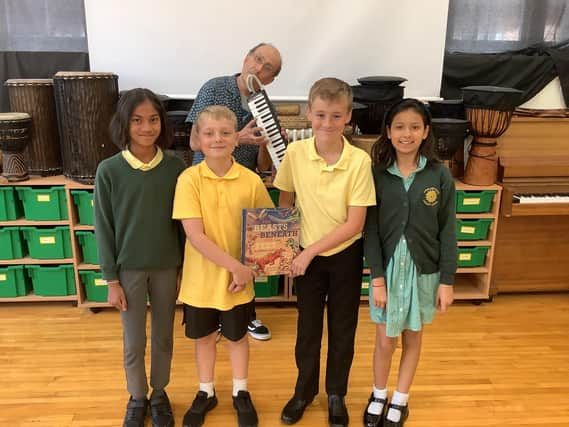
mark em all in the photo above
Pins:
pixel 266 119
pixel 541 198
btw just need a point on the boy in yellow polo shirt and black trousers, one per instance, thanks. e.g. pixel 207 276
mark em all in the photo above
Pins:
pixel 333 186
pixel 217 289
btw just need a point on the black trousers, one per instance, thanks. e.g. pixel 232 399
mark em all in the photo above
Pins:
pixel 333 281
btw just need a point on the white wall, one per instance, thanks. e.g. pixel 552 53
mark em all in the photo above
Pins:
pixel 174 46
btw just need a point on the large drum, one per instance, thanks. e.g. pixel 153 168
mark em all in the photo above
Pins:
pixel 14 136
pixel 85 103
pixel 489 109
pixel 449 134
pixel 182 131
pixel 35 97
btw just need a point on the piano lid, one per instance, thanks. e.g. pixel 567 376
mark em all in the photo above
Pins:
pixel 543 166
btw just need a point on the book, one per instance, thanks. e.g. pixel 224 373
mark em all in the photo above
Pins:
pixel 270 239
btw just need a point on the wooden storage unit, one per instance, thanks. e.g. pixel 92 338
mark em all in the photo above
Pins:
pixel 76 260
pixel 473 283
pixel 42 182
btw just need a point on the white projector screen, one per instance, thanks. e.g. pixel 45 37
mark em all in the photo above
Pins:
pixel 174 46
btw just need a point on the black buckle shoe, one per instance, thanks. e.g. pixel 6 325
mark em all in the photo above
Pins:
pixel 135 412
pixel 337 411
pixel 246 413
pixel 195 416
pixel 161 410
pixel 372 420
pixel 404 415
pixel 293 410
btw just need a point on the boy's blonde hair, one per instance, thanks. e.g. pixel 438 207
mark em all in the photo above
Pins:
pixel 216 112
pixel 331 89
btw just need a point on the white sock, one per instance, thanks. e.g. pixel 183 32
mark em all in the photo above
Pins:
pixel 239 385
pixel 397 399
pixel 376 408
pixel 208 388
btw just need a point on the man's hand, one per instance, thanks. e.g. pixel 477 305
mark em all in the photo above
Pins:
pixel 252 135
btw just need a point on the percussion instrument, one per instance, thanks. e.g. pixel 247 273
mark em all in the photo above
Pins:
pixel 449 135
pixel 85 102
pixel 14 136
pixel 447 109
pixel 489 110
pixel 35 97
pixel 266 117
pixel 377 93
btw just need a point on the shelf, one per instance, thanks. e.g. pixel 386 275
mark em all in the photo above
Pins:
pixel 47 181
pixel 35 298
pixel 474 243
pixel 28 260
pixel 469 287
pixel 472 270
pixel 22 221
pixel 88 266
pixel 84 227
pixel 475 215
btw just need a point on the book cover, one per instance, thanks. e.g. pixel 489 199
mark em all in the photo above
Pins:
pixel 270 239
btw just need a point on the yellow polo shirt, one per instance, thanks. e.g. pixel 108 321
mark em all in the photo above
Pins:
pixel 219 202
pixel 324 192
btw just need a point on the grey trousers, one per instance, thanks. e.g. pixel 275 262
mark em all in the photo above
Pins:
pixel 160 285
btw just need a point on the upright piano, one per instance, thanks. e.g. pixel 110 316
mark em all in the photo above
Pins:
pixel 532 241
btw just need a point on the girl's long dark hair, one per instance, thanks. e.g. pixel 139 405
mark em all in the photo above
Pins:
pixel 383 153
pixel 120 123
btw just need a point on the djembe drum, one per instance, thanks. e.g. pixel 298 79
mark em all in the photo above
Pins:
pixel 14 136
pixel 85 102
pixel 449 134
pixel 377 93
pixel 35 97
pixel 489 110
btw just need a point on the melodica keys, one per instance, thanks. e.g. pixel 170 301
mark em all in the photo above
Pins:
pixel 266 119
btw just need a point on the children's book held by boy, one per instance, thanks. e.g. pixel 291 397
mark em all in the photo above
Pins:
pixel 270 239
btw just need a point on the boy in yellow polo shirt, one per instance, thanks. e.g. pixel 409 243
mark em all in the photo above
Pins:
pixel 333 186
pixel 217 289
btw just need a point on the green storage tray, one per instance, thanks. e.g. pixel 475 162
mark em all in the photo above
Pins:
pixel 11 243
pixel 365 285
pixel 468 201
pixel 473 229
pixel 43 204
pixel 96 289
pixel 48 243
pixel 266 286
pixel 49 281
pixel 274 193
pixel 14 282
pixel 472 256
pixel 10 205
pixel 84 202
pixel 88 245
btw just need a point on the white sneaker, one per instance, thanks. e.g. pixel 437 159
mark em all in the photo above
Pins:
pixel 258 331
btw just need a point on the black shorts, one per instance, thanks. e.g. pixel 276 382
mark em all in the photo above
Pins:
pixel 201 322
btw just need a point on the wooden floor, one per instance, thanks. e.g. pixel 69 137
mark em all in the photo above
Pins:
pixel 503 363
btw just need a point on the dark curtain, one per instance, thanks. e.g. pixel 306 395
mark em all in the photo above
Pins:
pixel 514 43
pixel 39 38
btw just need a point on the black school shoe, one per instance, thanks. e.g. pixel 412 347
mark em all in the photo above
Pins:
pixel 246 413
pixel 135 412
pixel 294 410
pixel 371 420
pixel 161 410
pixel 201 405
pixel 337 411
pixel 404 415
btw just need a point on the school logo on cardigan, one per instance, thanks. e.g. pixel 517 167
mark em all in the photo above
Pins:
pixel 431 196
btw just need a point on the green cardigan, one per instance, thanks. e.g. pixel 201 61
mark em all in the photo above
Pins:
pixel 425 215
